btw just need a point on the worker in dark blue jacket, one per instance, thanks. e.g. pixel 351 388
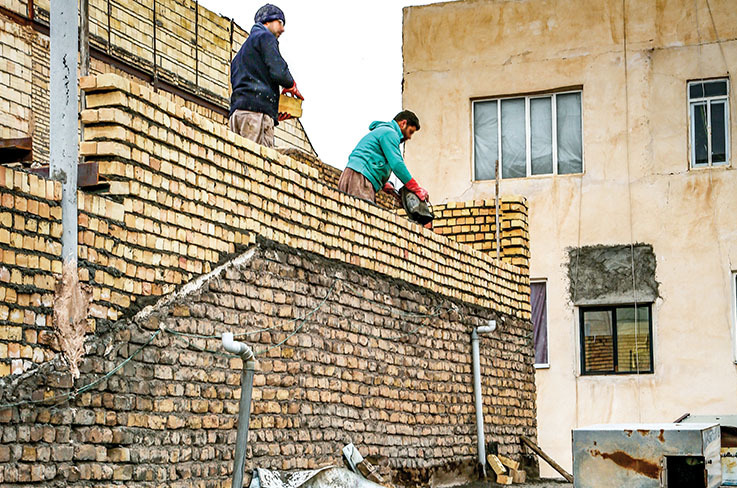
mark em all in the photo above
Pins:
pixel 256 73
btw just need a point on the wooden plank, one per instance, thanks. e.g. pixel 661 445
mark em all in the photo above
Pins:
pixel 510 463
pixel 518 476
pixel 547 458
pixel 496 465
pixel 504 479
pixel 87 174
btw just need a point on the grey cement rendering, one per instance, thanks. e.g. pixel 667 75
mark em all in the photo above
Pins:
pixel 603 275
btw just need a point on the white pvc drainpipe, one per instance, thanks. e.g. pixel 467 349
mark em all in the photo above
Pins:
pixel 477 391
pixel 244 407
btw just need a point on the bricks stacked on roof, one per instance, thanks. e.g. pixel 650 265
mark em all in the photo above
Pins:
pixel 473 223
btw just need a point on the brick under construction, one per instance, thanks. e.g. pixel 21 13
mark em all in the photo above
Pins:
pixel 360 319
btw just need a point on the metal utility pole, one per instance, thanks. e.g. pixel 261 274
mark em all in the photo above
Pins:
pixel 64 117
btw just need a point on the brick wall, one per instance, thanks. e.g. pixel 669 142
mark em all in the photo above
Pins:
pixel 330 175
pixel 15 79
pixel 378 362
pixel 30 228
pixel 186 196
pixel 195 59
pixel 473 223
pixel 384 361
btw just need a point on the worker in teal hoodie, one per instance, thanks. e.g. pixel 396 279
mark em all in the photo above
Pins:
pixel 377 155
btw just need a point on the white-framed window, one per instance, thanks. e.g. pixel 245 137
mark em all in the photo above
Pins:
pixel 539 300
pixel 708 108
pixel 529 135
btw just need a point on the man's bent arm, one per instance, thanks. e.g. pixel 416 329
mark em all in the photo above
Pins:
pixel 390 145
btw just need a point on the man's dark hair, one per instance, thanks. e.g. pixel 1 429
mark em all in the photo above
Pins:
pixel 410 117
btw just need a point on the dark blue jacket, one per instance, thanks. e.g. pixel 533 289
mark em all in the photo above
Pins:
pixel 257 72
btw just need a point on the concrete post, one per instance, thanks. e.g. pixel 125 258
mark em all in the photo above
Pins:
pixel 64 117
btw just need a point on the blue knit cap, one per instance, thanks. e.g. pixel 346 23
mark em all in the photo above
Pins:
pixel 267 13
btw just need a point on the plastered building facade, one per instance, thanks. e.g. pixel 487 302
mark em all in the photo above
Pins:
pixel 616 121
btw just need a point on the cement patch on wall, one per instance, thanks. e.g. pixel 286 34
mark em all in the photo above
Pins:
pixel 602 275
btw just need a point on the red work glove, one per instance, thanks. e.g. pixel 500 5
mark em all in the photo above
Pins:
pixel 283 116
pixel 415 188
pixel 293 91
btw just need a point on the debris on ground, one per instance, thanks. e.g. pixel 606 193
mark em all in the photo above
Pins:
pixel 328 477
pixel 360 465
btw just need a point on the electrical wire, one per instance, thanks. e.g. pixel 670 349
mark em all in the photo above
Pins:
pixel 71 395
pixel 437 311
pixel 629 201
pixel 302 323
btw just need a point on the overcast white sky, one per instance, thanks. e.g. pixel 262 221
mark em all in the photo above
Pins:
pixel 346 57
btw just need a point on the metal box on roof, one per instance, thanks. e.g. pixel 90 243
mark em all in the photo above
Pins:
pixel 647 456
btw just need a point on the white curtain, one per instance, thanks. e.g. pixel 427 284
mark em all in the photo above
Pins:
pixel 485 139
pixel 514 139
pixel 568 108
pixel 541 136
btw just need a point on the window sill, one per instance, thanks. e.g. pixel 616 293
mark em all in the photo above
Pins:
pixel 544 366
pixel 714 167
pixel 531 177
pixel 613 374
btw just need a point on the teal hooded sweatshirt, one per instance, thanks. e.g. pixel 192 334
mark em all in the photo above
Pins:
pixel 377 155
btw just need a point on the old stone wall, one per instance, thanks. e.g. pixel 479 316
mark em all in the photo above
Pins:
pixel 365 359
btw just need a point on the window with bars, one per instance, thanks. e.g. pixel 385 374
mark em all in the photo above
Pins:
pixel 709 122
pixel 616 339
pixel 529 135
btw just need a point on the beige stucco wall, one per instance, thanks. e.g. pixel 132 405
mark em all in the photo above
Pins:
pixel 635 188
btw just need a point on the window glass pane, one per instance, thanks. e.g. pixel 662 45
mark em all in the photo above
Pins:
pixel 633 340
pixel 541 136
pixel 696 90
pixel 485 139
pixel 715 88
pixel 598 341
pixel 514 139
pixel 539 322
pixel 718 133
pixel 698 121
pixel 568 108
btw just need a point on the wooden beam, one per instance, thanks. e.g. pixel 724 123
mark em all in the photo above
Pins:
pixel 16 150
pixel 548 459
pixel 87 174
